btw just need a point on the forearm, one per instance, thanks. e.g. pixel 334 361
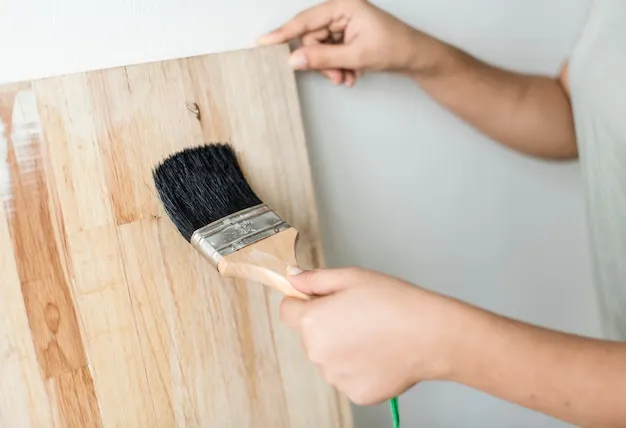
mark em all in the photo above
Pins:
pixel 531 114
pixel 575 379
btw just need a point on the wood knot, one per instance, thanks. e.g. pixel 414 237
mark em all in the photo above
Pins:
pixel 53 317
pixel 195 109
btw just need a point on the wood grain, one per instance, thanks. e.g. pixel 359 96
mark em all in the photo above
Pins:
pixel 23 400
pixel 108 317
pixel 44 283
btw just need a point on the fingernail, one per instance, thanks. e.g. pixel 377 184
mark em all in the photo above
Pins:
pixel 297 60
pixel 292 270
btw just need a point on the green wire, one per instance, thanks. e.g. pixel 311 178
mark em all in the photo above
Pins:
pixel 395 411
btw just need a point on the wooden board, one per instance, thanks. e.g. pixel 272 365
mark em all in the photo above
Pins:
pixel 108 318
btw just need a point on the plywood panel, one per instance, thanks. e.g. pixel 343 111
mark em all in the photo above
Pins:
pixel 108 317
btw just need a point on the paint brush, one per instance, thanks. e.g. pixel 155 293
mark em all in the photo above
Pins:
pixel 207 197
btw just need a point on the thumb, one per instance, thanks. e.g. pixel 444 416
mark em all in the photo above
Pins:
pixel 322 282
pixel 324 56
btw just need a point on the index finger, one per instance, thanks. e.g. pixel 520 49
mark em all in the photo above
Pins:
pixel 310 20
pixel 291 312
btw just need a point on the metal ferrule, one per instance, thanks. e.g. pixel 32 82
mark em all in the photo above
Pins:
pixel 236 231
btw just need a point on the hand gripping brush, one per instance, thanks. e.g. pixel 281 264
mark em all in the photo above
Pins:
pixel 207 197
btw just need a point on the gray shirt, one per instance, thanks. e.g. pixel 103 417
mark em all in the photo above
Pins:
pixel 598 90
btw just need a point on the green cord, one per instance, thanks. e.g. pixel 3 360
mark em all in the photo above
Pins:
pixel 395 411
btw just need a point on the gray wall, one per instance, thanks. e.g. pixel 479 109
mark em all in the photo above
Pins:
pixel 403 186
pixel 408 189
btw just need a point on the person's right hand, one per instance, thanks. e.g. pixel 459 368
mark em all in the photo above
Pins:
pixel 373 336
pixel 343 38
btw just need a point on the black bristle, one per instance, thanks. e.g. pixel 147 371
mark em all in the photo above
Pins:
pixel 200 185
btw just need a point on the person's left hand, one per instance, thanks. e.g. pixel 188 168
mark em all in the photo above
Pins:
pixel 371 335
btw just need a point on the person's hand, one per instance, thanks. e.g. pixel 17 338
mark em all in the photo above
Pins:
pixel 343 38
pixel 372 336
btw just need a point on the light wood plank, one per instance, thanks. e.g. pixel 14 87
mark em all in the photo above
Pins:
pixel 111 340
pixel 152 304
pixel 68 115
pixel 143 118
pixel 76 406
pixel 168 342
pixel 263 141
pixel 23 399
pixel 244 371
pixel 43 280
pixel 202 76
pixel 44 286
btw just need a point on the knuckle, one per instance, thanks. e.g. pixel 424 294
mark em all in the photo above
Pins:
pixel 315 59
pixel 283 310
pixel 329 376
pixel 308 338
pixel 360 397
pixel 312 352
pixel 316 352
pixel 307 323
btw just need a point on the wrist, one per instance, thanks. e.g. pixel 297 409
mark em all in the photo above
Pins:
pixel 470 353
pixel 430 57
pixel 455 330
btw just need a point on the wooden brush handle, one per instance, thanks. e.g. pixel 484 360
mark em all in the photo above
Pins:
pixel 266 262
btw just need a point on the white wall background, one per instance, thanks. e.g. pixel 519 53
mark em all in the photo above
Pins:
pixel 402 185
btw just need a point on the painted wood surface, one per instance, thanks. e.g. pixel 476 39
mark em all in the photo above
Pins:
pixel 108 317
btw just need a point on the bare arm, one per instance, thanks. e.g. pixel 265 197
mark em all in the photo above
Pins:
pixel 373 336
pixel 575 379
pixel 343 39
pixel 531 114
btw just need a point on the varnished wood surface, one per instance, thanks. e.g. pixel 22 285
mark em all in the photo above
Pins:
pixel 108 318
